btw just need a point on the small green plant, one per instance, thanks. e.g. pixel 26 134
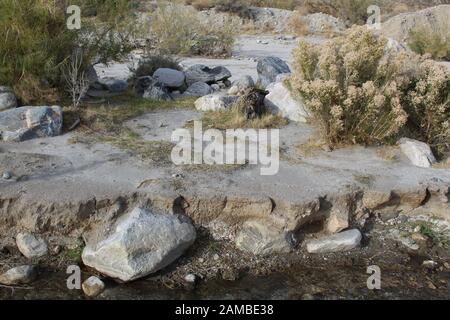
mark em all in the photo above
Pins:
pixel 437 238
pixel 347 88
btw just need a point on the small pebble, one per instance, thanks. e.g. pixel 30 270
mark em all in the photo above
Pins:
pixel 216 257
pixel 6 175
pixel 93 286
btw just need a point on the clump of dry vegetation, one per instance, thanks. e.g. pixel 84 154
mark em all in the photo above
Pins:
pixel 180 30
pixel 234 118
pixel 435 42
pixel 359 94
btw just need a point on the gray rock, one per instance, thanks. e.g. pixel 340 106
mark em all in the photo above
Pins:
pixel 30 122
pixel 113 85
pixel 214 102
pixel 93 286
pixel 343 241
pixel 91 75
pixel 140 243
pixel 261 239
pixel 269 68
pixel 6 175
pixel 202 73
pixel 149 88
pixel 198 89
pixel 8 99
pixel 419 153
pixel 170 77
pixel 31 246
pixel 215 87
pixel 239 86
pixel 281 101
pixel 19 275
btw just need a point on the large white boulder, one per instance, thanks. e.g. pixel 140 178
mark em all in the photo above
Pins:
pixel 214 102
pixel 281 101
pixel 140 244
pixel 343 241
pixel 419 153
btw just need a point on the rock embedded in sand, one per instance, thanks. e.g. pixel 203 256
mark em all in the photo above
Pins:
pixel 269 68
pixel 343 241
pixel 19 275
pixel 31 246
pixel 140 244
pixel 93 286
pixel 419 153
pixel 262 239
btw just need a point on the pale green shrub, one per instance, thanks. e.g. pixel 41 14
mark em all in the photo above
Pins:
pixel 428 105
pixel 358 92
pixel 347 88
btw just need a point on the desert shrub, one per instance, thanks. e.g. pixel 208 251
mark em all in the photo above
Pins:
pixel 36 42
pixel 428 105
pixel 425 40
pixel 357 92
pixel 348 88
pixel 150 64
pixel 180 30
